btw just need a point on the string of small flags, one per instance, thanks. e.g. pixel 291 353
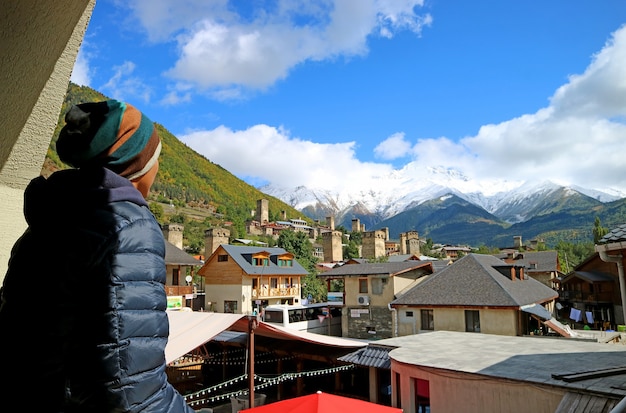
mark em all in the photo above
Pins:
pixel 265 382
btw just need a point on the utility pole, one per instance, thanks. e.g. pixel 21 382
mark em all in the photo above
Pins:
pixel 252 325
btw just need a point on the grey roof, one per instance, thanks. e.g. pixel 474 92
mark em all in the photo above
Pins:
pixel 176 256
pixel 370 356
pixel 378 268
pixel 544 260
pixel 402 257
pixel 529 359
pixel 617 234
pixel 474 281
pixel 243 257
pixel 589 276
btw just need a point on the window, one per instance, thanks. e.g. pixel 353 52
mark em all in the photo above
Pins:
pixel 472 321
pixel 260 262
pixel 377 286
pixel 222 258
pixel 230 306
pixel 422 396
pixel 273 282
pixel 428 322
pixel 175 276
pixel 285 263
pixel 362 285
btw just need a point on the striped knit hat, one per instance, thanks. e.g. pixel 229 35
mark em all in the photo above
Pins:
pixel 112 134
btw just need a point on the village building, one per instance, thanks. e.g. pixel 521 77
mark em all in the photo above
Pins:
pixel 243 279
pixel 446 371
pixel 478 293
pixel 368 290
pixel 590 295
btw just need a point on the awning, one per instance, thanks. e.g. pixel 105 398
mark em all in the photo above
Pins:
pixel 191 329
pixel 538 310
pixel 283 333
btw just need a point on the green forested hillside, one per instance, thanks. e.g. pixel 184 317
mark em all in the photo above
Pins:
pixel 189 186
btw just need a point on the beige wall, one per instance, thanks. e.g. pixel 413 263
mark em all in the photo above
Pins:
pixel 469 393
pixel 501 322
pixel 217 294
pixel 39 43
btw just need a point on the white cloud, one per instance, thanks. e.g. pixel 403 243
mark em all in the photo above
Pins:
pixel 271 154
pixel 394 147
pixel 124 86
pixel 578 139
pixel 81 74
pixel 221 47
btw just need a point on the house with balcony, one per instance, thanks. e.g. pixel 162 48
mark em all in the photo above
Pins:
pixel 182 287
pixel 478 293
pixel 368 290
pixel 244 279
pixel 590 295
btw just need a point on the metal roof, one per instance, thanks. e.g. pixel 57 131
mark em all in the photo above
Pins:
pixel 617 234
pixel 243 257
pixel 176 256
pixel 370 356
pixel 378 268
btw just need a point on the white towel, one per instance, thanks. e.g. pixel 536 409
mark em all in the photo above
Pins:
pixel 575 314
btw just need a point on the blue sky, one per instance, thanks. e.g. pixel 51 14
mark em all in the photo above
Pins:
pixel 337 93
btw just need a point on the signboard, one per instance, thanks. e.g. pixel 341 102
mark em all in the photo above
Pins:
pixel 356 312
pixel 335 297
pixel 174 301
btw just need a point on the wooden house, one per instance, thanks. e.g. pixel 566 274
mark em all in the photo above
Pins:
pixel 243 279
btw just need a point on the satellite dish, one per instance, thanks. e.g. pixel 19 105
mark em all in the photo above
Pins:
pixel 559 306
pixel 188 278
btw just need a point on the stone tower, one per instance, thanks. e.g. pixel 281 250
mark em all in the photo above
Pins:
pixel 333 248
pixel 356 225
pixel 174 234
pixel 410 243
pixel 374 244
pixel 262 211
pixel 213 238
pixel 330 221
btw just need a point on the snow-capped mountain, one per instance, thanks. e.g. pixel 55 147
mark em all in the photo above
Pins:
pixel 405 189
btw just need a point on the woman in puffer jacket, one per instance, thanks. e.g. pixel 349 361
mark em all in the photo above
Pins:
pixel 83 326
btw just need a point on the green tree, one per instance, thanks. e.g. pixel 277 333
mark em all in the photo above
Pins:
pixel 157 211
pixel 570 255
pixel 351 249
pixel 598 231
pixel 299 245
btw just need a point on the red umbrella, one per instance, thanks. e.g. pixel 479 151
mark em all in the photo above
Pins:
pixel 322 403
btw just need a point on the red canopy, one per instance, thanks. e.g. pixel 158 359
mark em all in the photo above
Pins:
pixel 322 402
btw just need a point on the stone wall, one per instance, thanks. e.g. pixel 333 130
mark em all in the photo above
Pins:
pixel 372 322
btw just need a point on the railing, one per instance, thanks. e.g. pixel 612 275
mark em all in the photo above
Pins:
pixel 265 292
pixel 178 289
pixel 585 296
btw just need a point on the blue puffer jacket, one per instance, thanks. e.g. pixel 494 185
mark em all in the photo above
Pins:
pixel 82 312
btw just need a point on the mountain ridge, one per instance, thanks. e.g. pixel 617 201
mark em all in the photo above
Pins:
pixel 489 219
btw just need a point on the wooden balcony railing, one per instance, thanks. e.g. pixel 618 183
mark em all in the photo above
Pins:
pixel 585 296
pixel 265 292
pixel 178 289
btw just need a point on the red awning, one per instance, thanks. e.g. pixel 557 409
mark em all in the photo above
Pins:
pixel 322 402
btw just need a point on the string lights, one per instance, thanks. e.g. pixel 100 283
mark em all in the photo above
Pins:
pixel 198 398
